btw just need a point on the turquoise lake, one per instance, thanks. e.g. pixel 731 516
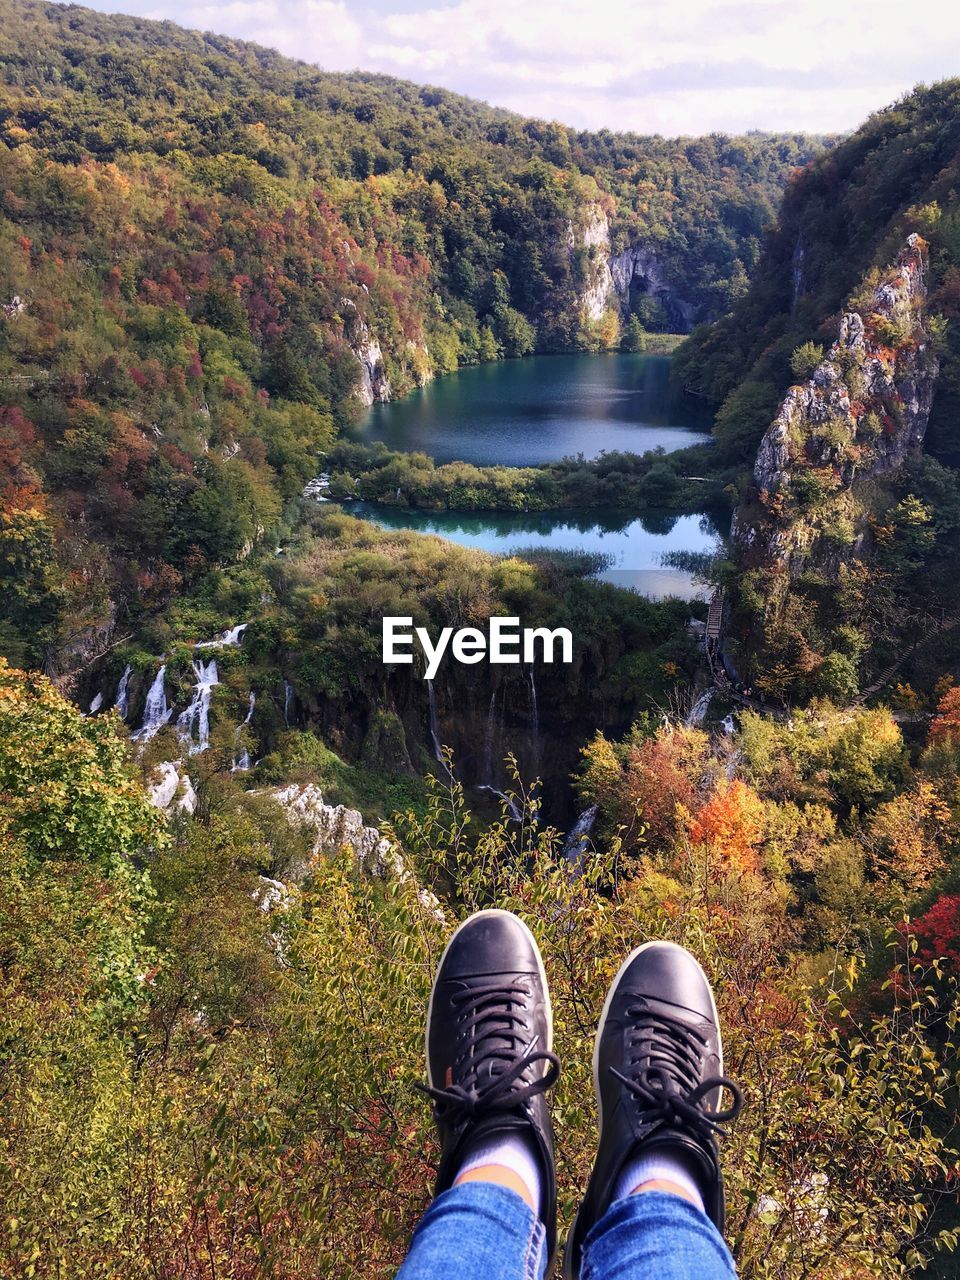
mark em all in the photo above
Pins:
pixel 541 409
pixel 519 413
pixel 636 546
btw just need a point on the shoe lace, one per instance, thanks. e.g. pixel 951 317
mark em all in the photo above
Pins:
pixel 664 1056
pixel 489 1072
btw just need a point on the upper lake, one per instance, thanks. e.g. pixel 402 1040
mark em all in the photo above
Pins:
pixel 524 412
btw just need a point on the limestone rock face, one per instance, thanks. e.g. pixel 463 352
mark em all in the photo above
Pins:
pixel 374 385
pixel 170 789
pixel 593 235
pixel 638 268
pixel 862 413
pixel 334 827
pixel 615 280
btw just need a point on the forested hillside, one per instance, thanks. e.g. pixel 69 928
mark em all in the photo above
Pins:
pixel 850 517
pixel 210 255
pixel 233 840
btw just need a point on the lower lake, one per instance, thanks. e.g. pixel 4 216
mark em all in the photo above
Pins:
pixel 635 546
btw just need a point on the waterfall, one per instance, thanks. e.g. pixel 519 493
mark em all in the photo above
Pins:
pixel 226 639
pixel 434 726
pixel 156 713
pixel 513 812
pixel 695 716
pixel 575 845
pixel 122 702
pixel 287 701
pixel 243 761
pixel 96 704
pixel 534 721
pixel 199 709
pixel 489 739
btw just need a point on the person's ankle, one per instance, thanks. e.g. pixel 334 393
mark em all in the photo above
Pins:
pixel 666 1187
pixel 508 1160
pixel 669 1169
pixel 500 1176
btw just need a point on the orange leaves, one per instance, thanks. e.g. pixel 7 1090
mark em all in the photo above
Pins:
pixel 730 824
pixel 945 726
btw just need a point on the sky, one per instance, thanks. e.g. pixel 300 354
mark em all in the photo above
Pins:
pixel 653 66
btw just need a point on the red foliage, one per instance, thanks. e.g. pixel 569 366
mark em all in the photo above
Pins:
pixel 657 782
pixel 938 932
pixel 945 726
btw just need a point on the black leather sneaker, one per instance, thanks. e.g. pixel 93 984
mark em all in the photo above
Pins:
pixel 489 1047
pixel 658 1075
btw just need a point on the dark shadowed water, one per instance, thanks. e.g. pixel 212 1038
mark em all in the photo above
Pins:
pixel 524 412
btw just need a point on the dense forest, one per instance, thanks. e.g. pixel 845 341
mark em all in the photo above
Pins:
pixel 207 250
pixel 233 840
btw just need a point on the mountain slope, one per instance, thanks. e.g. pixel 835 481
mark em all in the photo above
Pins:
pixel 211 256
pixel 848 527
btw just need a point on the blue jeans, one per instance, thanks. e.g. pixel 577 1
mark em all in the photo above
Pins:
pixel 480 1231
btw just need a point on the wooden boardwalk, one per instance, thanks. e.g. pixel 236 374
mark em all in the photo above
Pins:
pixel 715 615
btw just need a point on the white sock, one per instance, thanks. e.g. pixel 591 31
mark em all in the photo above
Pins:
pixel 659 1165
pixel 512 1151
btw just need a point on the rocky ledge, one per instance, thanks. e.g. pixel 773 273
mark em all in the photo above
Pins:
pixel 861 413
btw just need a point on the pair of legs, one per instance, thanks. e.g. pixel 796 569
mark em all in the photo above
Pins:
pixel 653 1208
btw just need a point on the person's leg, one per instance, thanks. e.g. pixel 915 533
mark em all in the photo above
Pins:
pixel 655 1235
pixel 489 1065
pixel 654 1205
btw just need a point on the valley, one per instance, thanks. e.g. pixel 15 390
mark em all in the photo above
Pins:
pixel 285 352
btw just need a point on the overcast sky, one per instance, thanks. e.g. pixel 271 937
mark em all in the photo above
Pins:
pixel 667 66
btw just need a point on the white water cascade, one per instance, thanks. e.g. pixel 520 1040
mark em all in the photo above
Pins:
pixel 243 761
pixel 578 838
pixel 489 738
pixel 156 713
pixel 122 701
pixel 287 701
pixel 512 809
pixel 534 721
pixel 198 712
pixel 434 724
pixel 96 704
pixel 226 639
pixel 697 713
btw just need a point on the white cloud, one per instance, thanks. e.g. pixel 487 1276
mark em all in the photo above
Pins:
pixel 673 66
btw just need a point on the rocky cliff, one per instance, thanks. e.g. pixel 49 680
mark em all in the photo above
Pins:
pixel 820 467
pixel 619 281
pixel 863 410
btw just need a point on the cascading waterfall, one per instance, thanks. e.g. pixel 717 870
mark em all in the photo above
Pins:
pixel 489 739
pixel 534 721
pixel 122 701
pixel 697 713
pixel 434 724
pixel 287 701
pixel 96 704
pixel 243 761
pixel 575 845
pixel 512 809
pixel 226 639
pixel 156 713
pixel 199 709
